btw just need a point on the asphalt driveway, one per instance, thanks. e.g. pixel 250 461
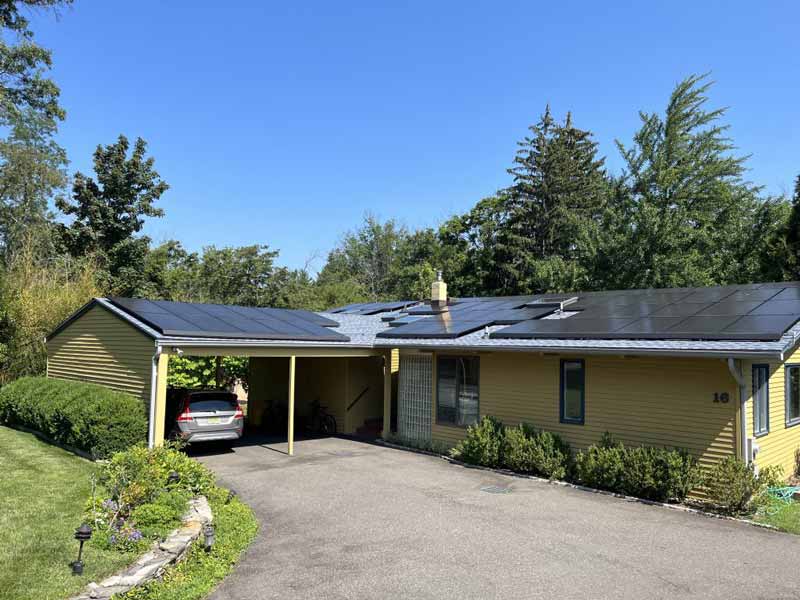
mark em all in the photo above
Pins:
pixel 342 519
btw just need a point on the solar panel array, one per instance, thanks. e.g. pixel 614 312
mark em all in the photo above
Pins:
pixel 188 319
pixel 760 312
pixel 462 317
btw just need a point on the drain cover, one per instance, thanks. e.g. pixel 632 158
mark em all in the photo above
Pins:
pixel 496 489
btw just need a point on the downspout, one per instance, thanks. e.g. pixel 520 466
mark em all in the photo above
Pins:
pixel 736 372
pixel 151 427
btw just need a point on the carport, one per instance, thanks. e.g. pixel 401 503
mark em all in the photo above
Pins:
pixel 295 356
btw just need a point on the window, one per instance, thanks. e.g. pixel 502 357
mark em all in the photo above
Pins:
pixel 760 399
pixel 792 395
pixel 457 390
pixel 573 393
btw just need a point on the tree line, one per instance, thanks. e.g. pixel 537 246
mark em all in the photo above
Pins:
pixel 681 212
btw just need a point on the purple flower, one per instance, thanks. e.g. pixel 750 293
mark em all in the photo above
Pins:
pixel 113 539
pixel 110 505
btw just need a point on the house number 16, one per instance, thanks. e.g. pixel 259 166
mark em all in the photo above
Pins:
pixel 723 397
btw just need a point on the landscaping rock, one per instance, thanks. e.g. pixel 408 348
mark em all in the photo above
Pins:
pixel 152 564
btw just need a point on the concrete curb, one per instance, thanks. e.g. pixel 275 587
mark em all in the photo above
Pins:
pixel 153 563
pixel 583 488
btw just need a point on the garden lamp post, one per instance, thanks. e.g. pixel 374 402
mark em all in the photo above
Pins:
pixel 173 477
pixel 208 533
pixel 82 534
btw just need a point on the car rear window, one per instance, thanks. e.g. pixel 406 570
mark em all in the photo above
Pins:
pixel 206 404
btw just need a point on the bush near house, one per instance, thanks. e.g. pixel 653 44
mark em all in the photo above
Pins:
pixel 86 416
pixel 661 474
pixel 483 445
pixel 542 453
pixel 736 488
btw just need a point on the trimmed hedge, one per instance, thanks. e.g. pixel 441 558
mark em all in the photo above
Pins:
pixel 89 417
pixel 661 474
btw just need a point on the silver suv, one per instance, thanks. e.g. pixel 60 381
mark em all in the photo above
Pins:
pixel 208 416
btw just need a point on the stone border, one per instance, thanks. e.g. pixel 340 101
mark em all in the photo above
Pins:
pixel 153 563
pixel 583 488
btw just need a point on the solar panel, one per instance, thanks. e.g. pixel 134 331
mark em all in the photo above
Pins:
pixel 760 327
pixel 434 328
pixel 556 328
pixel 372 308
pixel 778 307
pixel 184 319
pixel 648 326
pixel 728 307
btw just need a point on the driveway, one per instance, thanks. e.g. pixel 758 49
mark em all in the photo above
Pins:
pixel 343 519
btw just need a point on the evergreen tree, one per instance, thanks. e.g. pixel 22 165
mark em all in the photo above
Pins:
pixel 554 208
pixel 690 211
pixel 542 233
pixel 791 237
pixel 32 170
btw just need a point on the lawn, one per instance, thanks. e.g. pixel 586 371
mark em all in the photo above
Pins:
pixel 43 491
pixel 785 517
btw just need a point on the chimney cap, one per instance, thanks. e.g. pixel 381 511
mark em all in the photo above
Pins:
pixel 438 275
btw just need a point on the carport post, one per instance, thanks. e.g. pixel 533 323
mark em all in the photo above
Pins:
pixel 387 395
pixel 291 405
pixel 159 414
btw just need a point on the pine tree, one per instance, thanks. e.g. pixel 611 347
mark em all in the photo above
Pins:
pixel 690 211
pixel 791 270
pixel 553 210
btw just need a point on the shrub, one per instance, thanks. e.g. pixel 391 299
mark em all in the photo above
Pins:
pixel 601 465
pixel 157 517
pixel 142 502
pixel 86 416
pixel 484 444
pixel 142 473
pixel 537 452
pixel 660 474
pixel 735 488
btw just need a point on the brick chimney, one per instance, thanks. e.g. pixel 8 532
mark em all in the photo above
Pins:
pixel 439 292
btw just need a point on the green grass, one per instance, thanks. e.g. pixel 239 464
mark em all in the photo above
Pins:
pixel 43 492
pixel 785 517
pixel 201 571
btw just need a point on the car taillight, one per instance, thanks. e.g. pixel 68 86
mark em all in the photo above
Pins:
pixel 239 414
pixel 185 414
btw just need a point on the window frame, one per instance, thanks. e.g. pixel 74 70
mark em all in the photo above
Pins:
pixel 787 395
pixel 457 357
pixel 562 389
pixel 764 429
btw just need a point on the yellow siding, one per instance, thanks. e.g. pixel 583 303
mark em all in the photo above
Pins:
pixel 395 360
pixel 778 446
pixel 364 374
pixel 651 401
pixel 99 347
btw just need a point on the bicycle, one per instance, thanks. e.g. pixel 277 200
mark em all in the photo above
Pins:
pixel 321 421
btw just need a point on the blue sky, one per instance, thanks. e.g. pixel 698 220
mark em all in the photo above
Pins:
pixel 284 123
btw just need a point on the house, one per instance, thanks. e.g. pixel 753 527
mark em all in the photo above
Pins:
pixel 712 369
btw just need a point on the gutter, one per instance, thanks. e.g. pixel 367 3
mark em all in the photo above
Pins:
pixel 736 371
pixel 617 351
pixel 151 426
